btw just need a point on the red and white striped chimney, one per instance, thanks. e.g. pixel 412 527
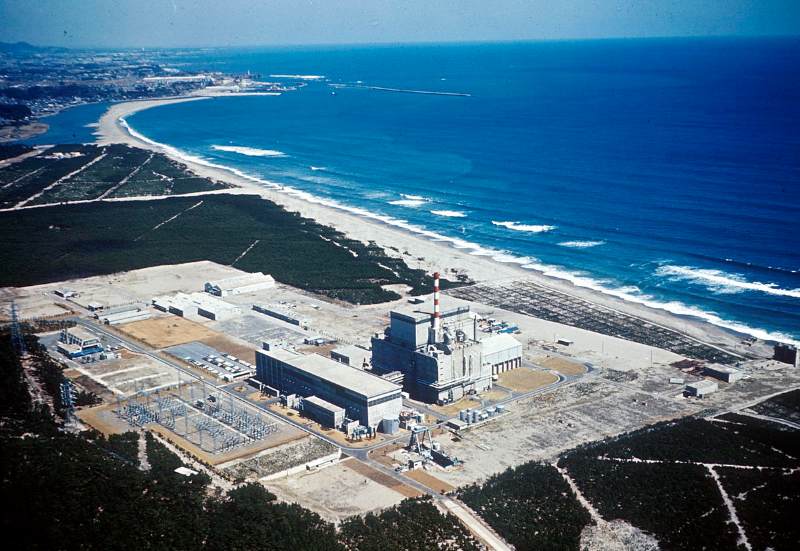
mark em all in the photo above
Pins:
pixel 436 311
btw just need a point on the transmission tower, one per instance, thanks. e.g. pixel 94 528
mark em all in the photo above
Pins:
pixel 17 341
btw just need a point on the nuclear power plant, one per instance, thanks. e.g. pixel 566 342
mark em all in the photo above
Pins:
pixel 437 356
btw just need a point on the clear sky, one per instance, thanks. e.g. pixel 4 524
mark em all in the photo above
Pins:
pixel 166 23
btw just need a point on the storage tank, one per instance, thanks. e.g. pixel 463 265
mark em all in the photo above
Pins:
pixel 474 417
pixel 390 426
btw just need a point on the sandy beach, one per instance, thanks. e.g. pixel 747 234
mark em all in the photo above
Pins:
pixel 417 251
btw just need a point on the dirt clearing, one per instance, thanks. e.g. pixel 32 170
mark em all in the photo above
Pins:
pixel 167 331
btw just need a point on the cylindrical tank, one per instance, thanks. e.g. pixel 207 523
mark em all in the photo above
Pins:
pixel 474 417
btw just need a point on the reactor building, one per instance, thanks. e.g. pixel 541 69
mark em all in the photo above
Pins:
pixel 327 384
pixel 438 356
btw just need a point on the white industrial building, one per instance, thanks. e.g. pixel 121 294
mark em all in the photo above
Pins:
pixel 366 398
pixel 200 304
pixel 701 388
pixel 77 341
pixel 282 314
pixel 124 316
pixel 502 351
pixel 237 285
pixel 325 413
pixel 439 354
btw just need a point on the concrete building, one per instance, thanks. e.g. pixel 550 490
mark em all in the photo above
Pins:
pixel 723 373
pixel 352 355
pixel 325 413
pixel 363 396
pixel 246 283
pixel 439 354
pixel 77 341
pixel 701 388
pixel 214 308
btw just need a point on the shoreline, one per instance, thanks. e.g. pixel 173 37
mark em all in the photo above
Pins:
pixel 450 259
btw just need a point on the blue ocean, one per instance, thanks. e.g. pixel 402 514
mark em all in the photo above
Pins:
pixel 661 171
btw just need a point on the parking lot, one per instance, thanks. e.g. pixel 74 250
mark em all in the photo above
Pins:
pixel 221 365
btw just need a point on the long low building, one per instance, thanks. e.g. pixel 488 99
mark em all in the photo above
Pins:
pixel 245 283
pixel 366 398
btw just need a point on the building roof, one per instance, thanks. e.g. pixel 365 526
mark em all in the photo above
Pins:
pixel 358 381
pixel 319 402
pixel 418 316
pixel 81 333
pixel 352 352
pixel 703 385
pixel 242 280
pixel 498 343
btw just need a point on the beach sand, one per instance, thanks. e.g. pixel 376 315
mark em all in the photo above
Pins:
pixel 417 251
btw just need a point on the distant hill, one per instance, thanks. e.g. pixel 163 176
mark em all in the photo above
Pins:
pixel 26 48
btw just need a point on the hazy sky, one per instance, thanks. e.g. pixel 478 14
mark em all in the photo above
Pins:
pixel 123 23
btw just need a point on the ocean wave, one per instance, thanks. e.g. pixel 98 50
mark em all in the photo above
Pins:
pixel 581 244
pixel 249 151
pixel 724 283
pixel 415 197
pixel 629 294
pixel 300 77
pixel 408 202
pixel 516 226
pixel 634 295
pixel 450 213
pixel 316 168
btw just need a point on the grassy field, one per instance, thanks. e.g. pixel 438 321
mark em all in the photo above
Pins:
pixel 70 241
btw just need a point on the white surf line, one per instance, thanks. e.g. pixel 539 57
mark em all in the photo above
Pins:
pixel 61 180
pixel 31 173
pixel 580 497
pixel 168 220
pixel 126 178
pixel 247 250
pixel 731 508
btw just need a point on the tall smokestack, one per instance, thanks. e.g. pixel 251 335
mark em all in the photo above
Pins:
pixel 436 312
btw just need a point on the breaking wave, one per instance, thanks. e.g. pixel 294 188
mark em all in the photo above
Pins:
pixel 516 226
pixel 300 77
pixel 450 213
pixel 581 244
pixel 249 151
pixel 724 283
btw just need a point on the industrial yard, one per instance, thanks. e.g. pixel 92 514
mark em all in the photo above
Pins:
pixel 253 382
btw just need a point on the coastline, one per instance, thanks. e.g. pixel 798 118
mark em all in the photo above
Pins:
pixel 416 250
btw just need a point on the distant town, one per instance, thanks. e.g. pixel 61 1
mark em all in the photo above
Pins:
pixel 36 82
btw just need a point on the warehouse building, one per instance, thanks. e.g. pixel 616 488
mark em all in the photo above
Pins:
pixel 439 354
pixel 723 373
pixel 364 397
pixel 701 388
pixel 324 413
pixel 282 314
pixel 237 285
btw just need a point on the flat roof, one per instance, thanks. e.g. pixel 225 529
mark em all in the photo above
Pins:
pixel 81 333
pixel 323 404
pixel 419 316
pixel 705 383
pixel 340 374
